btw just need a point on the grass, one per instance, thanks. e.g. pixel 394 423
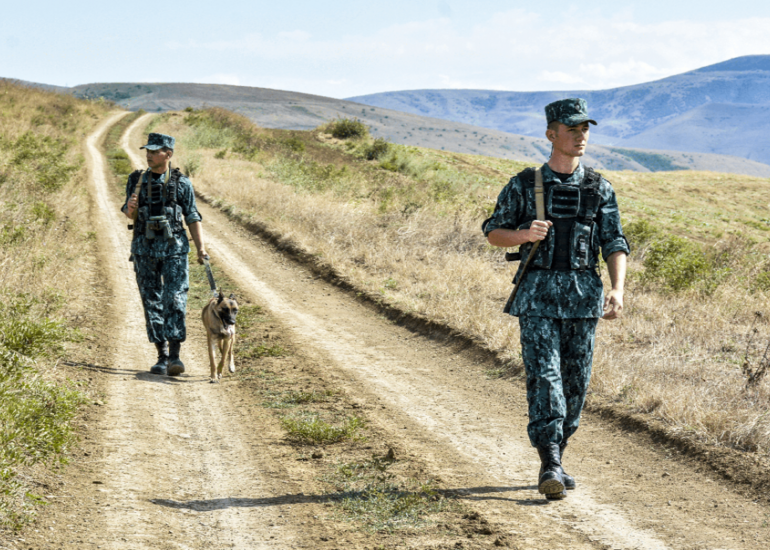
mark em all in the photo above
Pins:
pixel 312 430
pixel 44 242
pixel 369 494
pixel 405 228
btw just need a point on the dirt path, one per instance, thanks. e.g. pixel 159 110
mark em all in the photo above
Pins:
pixel 471 430
pixel 180 466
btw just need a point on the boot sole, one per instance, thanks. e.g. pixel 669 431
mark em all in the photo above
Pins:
pixel 175 370
pixel 551 486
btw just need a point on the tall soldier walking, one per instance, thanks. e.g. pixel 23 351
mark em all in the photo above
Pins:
pixel 560 297
pixel 158 200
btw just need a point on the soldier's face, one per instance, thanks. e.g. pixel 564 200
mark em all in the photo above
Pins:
pixel 158 159
pixel 570 141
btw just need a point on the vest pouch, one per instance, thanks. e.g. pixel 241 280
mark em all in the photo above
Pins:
pixel 581 250
pixel 179 216
pixel 144 213
pixel 544 253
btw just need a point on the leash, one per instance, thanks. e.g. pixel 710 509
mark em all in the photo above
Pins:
pixel 210 276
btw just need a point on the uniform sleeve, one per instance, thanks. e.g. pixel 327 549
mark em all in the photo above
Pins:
pixel 186 200
pixel 611 236
pixel 508 208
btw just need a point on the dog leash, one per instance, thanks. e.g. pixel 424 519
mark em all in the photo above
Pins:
pixel 210 276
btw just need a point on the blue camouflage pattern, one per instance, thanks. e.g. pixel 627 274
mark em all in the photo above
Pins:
pixel 160 247
pixel 163 284
pixel 559 294
pixel 557 356
pixel 571 112
pixel 157 141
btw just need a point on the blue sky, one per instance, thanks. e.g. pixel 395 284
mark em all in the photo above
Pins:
pixel 347 48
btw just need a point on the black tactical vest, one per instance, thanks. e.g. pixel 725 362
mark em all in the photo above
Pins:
pixel 572 242
pixel 156 199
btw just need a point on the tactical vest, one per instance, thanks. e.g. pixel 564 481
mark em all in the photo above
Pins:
pixel 157 203
pixel 572 242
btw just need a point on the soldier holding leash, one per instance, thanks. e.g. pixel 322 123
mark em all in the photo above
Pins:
pixel 565 214
pixel 158 200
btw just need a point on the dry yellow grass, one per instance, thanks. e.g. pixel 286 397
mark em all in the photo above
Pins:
pixel 675 356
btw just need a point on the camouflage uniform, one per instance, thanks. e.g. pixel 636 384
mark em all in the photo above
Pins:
pixel 558 310
pixel 161 268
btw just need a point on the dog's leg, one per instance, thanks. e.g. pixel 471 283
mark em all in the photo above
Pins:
pixel 231 367
pixel 222 356
pixel 212 361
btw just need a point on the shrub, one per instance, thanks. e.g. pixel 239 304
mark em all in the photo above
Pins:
pixel 377 150
pixel 676 262
pixel 346 128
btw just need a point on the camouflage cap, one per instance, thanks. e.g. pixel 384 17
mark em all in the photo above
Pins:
pixel 159 141
pixel 570 112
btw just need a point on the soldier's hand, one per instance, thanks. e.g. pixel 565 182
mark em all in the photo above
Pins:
pixel 202 255
pixel 538 230
pixel 613 305
pixel 131 205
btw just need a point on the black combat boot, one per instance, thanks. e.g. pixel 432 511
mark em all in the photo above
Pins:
pixel 162 364
pixel 175 365
pixel 551 479
pixel 569 481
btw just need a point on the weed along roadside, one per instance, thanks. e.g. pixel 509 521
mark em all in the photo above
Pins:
pixel 399 226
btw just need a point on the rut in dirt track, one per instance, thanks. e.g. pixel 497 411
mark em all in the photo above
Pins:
pixel 469 430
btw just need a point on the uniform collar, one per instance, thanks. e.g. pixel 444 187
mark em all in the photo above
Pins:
pixel 574 179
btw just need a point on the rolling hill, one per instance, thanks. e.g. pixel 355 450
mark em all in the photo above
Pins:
pixel 721 109
pixel 299 111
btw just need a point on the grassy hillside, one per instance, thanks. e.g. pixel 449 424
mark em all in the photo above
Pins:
pixel 44 284
pixel 402 224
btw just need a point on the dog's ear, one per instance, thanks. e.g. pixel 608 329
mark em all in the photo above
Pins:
pixel 221 297
pixel 232 297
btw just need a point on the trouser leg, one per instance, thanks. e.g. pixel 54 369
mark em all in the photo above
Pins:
pixel 148 279
pixel 540 350
pixel 176 283
pixel 577 352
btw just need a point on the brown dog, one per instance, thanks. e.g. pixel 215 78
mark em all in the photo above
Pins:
pixel 219 321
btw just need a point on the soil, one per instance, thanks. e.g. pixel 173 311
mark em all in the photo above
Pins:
pixel 179 463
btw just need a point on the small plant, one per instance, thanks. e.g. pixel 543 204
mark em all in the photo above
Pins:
pixel 755 371
pixel 192 164
pixel 313 430
pixel 220 154
pixel 295 144
pixel 346 128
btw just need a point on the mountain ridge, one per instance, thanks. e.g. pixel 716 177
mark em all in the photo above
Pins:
pixel 623 113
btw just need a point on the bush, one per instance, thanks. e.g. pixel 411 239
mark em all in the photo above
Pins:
pixel 346 128
pixel 675 262
pixel 376 150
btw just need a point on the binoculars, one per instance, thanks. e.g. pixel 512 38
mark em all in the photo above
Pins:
pixel 159 224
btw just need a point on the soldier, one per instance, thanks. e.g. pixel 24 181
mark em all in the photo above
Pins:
pixel 160 246
pixel 560 298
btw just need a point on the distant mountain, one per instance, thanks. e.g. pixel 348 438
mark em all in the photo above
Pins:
pixel 722 108
pixel 292 110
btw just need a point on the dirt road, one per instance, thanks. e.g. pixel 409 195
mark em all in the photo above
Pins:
pixel 179 464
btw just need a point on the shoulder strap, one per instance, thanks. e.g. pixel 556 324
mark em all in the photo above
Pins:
pixel 539 200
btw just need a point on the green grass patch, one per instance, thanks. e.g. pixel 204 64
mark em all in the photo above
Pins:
pixel 370 495
pixel 311 430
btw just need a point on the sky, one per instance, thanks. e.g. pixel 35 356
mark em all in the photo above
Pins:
pixel 349 48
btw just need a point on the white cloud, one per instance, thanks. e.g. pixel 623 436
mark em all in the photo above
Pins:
pixel 514 50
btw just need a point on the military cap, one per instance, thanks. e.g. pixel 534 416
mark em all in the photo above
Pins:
pixel 159 141
pixel 570 112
